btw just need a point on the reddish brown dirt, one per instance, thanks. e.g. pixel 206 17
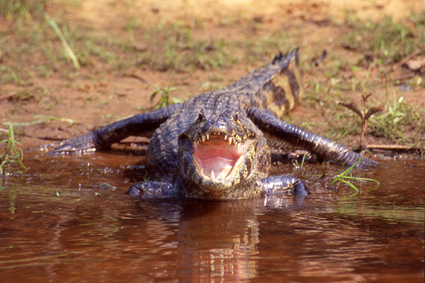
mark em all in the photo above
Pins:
pixel 96 97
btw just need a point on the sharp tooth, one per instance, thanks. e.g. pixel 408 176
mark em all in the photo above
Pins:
pixel 202 171
pixel 221 175
pixel 194 145
pixel 230 140
pixel 224 172
pixel 203 138
pixel 225 137
pixel 208 136
pixel 212 174
pixel 239 145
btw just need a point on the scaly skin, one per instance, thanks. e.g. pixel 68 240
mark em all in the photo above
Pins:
pixel 214 145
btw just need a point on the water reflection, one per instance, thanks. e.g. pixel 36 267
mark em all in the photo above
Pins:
pixel 216 240
pixel 90 232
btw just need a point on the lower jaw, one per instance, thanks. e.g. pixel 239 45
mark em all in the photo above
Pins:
pixel 231 193
pixel 216 185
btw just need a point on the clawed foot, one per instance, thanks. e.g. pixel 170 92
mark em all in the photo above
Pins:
pixel 82 144
pixel 283 185
pixel 151 190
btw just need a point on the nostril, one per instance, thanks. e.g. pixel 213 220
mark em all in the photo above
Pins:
pixel 221 125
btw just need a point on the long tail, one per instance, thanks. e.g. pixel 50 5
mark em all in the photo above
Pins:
pixel 284 89
pixel 277 88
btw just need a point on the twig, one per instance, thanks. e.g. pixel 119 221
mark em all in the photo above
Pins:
pixel 402 77
pixel 393 147
pixel 410 56
pixel 43 138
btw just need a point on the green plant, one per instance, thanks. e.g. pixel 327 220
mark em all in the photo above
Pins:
pixel 11 152
pixel 347 176
pixel 165 96
pixel 362 114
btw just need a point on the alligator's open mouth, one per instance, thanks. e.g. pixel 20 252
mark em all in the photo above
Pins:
pixel 216 156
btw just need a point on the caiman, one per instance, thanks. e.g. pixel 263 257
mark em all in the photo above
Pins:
pixel 218 145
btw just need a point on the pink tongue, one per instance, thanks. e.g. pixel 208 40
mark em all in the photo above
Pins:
pixel 217 155
pixel 217 164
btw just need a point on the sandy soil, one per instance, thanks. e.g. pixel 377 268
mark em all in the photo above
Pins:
pixel 96 97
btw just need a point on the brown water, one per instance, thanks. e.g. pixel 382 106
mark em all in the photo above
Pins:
pixel 59 222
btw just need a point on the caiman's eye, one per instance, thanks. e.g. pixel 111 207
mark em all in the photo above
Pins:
pixel 201 117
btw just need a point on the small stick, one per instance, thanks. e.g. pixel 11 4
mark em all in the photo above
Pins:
pixel 393 147
pixel 402 77
pixel 407 58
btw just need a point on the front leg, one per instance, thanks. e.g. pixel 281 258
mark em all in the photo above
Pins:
pixel 152 189
pixel 322 147
pixel 137 125
pixel 283 185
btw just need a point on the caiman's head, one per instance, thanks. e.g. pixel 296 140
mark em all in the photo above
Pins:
pixel 218 152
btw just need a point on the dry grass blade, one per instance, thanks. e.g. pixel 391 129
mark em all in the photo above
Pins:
pixel 65 44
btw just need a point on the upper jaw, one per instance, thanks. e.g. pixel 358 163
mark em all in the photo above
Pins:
pixel 229 138
pixel 216 160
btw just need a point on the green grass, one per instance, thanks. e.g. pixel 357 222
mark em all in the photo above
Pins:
pixel 49 43
pixel 398 118
pixel 387 40
pixel 265 46
pixel 347 177
pixel 181 52
pixel 388 43
pixel 399 122
pixel 22 8
pixel 54 46
pixel 12 154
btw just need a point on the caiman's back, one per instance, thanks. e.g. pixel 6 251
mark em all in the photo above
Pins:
pixel 276 88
